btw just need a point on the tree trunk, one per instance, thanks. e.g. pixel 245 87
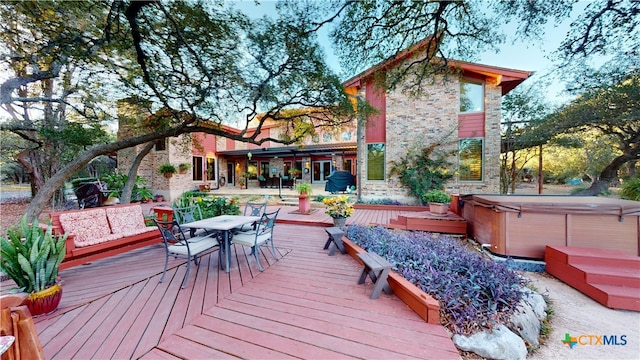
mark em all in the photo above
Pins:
pixel 125 197
pixel 607 175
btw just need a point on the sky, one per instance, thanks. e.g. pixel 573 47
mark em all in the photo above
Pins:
pixel 520 56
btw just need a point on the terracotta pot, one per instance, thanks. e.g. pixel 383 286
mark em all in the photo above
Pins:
pixel 438 209
pixel 168 175
pixel 45 301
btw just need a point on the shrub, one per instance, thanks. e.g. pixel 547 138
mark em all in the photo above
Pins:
pixel 385 201
pixel 631 189
pixel 218 206
pixel 474 292
pixel 436 196
pixel 423 170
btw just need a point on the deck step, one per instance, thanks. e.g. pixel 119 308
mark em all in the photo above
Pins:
pixel 576 255
pixel 610 277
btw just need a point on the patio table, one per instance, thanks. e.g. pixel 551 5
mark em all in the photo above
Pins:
pixel 224 223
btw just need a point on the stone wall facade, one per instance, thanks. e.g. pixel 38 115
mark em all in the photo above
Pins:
pixel 418 122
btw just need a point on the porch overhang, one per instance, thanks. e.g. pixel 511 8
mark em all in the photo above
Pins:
pixel 295 150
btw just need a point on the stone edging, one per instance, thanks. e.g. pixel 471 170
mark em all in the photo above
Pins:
pixel 420 302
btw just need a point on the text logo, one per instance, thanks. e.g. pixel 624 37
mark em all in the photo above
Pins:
pixel 594 340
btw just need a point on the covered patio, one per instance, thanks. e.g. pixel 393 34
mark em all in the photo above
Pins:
pixel 306 305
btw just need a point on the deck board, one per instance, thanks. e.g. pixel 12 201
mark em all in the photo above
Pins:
pixel 305 304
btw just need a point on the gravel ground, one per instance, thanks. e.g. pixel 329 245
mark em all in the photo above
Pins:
pixel 576 314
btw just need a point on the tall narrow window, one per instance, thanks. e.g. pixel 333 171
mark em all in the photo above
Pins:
pixel 471 96
pixel 253 170
pixel 346 164
pixel 198 165
pixel 161 144
pixel 470 159
pixel 375 161
pixel 211 168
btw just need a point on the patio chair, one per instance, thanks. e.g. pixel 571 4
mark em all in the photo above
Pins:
pixel 178 245
pixel 260 236
pixel 189 214
pixel 252 208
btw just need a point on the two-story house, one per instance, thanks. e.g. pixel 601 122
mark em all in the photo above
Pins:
pixel 460 111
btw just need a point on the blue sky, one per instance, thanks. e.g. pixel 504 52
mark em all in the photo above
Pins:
pixel 532 56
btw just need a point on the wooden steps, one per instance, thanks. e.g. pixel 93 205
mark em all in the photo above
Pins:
pixel 425 221
pixel 610 277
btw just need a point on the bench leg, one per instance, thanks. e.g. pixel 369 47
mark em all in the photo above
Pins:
pixel 326 245
pixel 380 283
pixel 363 275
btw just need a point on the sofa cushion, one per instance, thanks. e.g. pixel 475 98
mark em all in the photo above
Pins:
pixel 125 219
pixel 90 226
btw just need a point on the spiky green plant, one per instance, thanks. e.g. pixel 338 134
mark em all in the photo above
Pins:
pixel 31 256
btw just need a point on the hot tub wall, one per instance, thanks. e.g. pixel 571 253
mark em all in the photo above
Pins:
pixel 526 233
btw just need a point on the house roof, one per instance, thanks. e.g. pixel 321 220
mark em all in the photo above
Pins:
pixel 507 78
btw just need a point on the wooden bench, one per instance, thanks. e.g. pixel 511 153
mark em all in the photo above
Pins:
pixel 334 240
pixel 378 269
pixel 97 233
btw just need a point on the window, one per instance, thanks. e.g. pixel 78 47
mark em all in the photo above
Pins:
pixel 346 136
pixel 470 160
pixel 287 167
pixel 375 162
pixel 471 96
pixel 253 170
pixel 211 168
pixel 264 169
pixel 327 137
pixel 346 164
pixel 197 168
pixel 161 144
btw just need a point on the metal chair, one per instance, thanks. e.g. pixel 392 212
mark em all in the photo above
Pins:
pixel 189 214
pixel 260 236
pixel 252 208
pixel 177 245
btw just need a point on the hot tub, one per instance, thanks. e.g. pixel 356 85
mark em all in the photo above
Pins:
pixel 521 225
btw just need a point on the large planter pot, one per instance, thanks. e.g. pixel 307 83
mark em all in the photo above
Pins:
pixel 45 301
pixel 304 204
pixel 417 300
pixel 438 209
pixel 339 222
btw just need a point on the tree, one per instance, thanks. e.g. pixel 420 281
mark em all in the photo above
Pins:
pixel 521 109
pixel 205 65
pixel 368 32
pixel 610 110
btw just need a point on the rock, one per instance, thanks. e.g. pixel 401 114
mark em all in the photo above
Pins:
pixel 537 302
pixel 525 323
pixel 501 343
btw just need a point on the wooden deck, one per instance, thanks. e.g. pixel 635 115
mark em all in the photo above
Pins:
pixel 305 305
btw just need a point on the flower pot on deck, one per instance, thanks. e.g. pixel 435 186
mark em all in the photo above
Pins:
pixel 45 301
pixel 339 222
pixel 438 209
pixel 304 204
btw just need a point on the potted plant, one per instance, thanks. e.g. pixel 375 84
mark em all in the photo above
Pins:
pixel 295 172
pixel 158 198
pixel 304 203
pixel 183 168
pixel 438 201
pixel 167 170
pixel 31 256
pixel 304 189
pixel 339 208
pixel 144 194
